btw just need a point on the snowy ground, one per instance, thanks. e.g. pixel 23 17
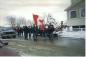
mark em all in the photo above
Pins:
pixel 73 34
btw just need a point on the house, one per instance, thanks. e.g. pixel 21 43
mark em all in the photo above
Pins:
pixel 76 15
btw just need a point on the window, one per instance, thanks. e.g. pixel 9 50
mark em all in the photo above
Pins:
pixel 83 26
pixel 83 12
pixel 73 14
pixel 79 28
pixel 75 26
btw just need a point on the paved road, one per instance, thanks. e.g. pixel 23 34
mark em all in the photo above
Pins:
pixel 67 46
pixel 71 42
pixel 7 52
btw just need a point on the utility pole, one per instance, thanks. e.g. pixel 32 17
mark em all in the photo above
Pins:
pixel 62 25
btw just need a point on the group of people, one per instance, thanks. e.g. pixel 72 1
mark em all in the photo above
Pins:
pixel 35 31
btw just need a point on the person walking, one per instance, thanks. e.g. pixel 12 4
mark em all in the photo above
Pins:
pixel 26 32
pixel 21 31
pixel 29 31
pixel 50 31
pixel 18 31
pixel 35 31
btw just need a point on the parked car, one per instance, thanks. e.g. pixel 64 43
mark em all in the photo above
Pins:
pixel 6 33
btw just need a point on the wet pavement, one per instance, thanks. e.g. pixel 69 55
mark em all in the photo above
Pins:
pixel 71 42
pixel 45 47
pixel 8 52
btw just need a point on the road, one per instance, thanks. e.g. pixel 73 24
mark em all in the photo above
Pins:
pixel 60 47
pixel 8 52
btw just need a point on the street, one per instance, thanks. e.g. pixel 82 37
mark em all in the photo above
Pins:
pixel 8 52
pixel 60 47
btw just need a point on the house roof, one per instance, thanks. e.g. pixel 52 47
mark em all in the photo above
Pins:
pixel 71 6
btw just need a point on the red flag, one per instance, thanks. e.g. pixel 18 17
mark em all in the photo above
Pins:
pixel 35 17
pixel 42 25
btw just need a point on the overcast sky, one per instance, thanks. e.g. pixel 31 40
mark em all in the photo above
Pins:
pixel 26 8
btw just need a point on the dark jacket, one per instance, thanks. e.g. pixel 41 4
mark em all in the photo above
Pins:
pixel 25 29
pixel 50 28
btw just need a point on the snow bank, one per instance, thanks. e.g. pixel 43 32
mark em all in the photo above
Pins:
pixel 73 34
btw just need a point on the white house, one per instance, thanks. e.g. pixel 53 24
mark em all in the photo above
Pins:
pixel 76 15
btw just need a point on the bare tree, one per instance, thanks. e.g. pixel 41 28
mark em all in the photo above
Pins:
pixel 11 20
pixel 51 20
pixel 22 21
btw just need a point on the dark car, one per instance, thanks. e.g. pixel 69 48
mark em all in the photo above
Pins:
pixel 6 33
